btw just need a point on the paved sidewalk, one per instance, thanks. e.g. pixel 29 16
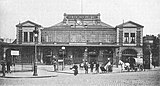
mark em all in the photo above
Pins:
pixel 41 74
pixel 45 71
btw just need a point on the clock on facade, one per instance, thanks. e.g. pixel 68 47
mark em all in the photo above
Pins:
pixel 79 22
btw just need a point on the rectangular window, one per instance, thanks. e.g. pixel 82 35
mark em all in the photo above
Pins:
pixel 25 36
pixel 126 36
pixel 31 36
pixel 47 38
pixel 132 38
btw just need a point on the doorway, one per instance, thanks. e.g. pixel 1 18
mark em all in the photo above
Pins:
pixel 128 53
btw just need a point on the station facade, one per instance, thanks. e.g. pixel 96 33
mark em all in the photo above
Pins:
pixel 83 37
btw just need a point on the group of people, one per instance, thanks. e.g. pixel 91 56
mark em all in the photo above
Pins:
pixel 86 67
pixel 92 65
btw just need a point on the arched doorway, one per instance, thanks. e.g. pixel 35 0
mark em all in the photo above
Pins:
pixel 128 53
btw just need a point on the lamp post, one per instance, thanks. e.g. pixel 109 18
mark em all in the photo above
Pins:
pixel 4 62
pixel 3 65
pixel 63 48
pixel 35 59
pixel 150 57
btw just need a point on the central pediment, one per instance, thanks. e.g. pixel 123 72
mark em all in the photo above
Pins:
pixel 129 24
pixel 28 24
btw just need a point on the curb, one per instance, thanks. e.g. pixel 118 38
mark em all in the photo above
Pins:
pixel 29 76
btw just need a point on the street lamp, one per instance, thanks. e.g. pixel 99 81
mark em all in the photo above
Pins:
pixel 35 59
pixel 63 48
pixel 150 56
pixel 3 65
pixel 3 62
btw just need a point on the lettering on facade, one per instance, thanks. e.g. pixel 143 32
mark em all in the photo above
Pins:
pixel 82 17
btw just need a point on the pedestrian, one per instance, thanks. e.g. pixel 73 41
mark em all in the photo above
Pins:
pixel 86 67
pixel 54 62
pixel 97 67
pixel 75 69
pixel 8 67
pixel 132 63
pixel 102 68
pixel 9 64
pixel 92 66
pixel 108 67
pixel 154 63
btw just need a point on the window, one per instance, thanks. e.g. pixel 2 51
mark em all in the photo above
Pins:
pixel 132 37
pixel 31 36
pixel 25 36
pixel 126 36
pixel 47 38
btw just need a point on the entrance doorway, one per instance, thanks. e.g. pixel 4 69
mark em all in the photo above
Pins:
pixel 128 53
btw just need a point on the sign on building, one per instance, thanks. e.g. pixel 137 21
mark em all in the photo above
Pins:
pixel 60 60
pixel 14 52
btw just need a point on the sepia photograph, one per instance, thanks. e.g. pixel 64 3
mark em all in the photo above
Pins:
pixel 79 43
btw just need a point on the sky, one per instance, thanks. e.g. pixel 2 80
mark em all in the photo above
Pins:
pixel 50 12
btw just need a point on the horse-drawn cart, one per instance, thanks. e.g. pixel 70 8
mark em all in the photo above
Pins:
pixel 139 64
pixel 133 64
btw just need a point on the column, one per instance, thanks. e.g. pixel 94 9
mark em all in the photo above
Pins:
pixel 41 55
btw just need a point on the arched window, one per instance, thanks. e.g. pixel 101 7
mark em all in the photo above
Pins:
pixel 128 53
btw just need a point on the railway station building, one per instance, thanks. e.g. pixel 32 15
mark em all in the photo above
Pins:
pixel 80 37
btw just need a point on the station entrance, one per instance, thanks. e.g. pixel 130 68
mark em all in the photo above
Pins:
pixel 128 53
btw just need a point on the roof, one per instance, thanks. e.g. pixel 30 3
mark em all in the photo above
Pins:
pixel 15 41
pixel 28 23
pixel 129 24
pixel 88 21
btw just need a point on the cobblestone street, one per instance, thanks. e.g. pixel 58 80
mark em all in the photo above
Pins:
pixel 144 78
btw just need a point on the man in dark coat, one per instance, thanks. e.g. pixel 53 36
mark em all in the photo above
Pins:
pixel 97 67
pixel 9 63
pixel 92 66
pixel 132 62
pixel 75 67
pixel 86 67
